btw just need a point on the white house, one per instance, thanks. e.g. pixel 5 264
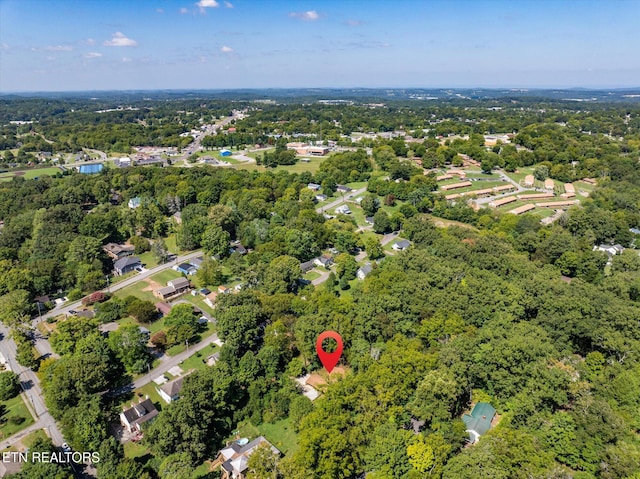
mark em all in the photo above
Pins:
pixel 343 210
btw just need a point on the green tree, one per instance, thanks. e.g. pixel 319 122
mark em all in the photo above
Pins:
pixel 370 204
pixel 176 466
pixel 160 251
pixel 381 223
pixel 210 273
pixel 181 324
pixel 15 308
pixel 215 241
pixel 129 345
pixel 346 266
pixel 9 385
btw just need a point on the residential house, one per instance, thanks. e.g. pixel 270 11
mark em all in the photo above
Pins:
pixel 321 197
pixel 307 266
pixel 363 271
pixel 134 202
pixel 324 260
pixel 313 186
pixel 549 184
pixel 174 288
pixel 343 210
pixel 210 299
pixel 401 245
pixel 117 251
pixel 236 247
pixel 132 418
pixel 611 250
pixel 197 262
pixel 186 268
pixel 368 220
pixel 235 458
pixel 479 421
pixel 343 189
pixel 170 391
pixel 223 290
pixel 126 264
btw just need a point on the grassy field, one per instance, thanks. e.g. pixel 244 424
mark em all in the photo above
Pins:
pixel 311 275
pixel 280 434
pixel 301 166
pixel 476 185
pixel 31 173
pixel 14 408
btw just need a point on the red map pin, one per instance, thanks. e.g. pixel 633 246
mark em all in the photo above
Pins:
pixel 329 360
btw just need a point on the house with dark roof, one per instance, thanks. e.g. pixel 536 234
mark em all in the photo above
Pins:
pixel 126 264
pixel 401 245
pixel 117 251
pixel 324 260
pixel 479 421
pixel 307 266
pixel 197 262
pixel 186 268
pixel 133 418
pixel 343 189
pixel 170 391
pixel 235 458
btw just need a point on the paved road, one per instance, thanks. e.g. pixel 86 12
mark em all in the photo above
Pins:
pixel 122 284
pixel 31 386
pixel 335 203
pixel 167 362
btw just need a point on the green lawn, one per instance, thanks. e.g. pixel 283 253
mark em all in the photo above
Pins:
pixel 166 275
pixel 301 166
pixel 31 173
pixel 280 434
pixel 136 290
pixel 14 408
pixel 311 275
pixel 148 259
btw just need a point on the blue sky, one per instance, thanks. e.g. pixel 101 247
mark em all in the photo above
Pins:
pixel 57 45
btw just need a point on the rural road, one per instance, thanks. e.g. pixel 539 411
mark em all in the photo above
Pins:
pixel 122 284
pixel 31 387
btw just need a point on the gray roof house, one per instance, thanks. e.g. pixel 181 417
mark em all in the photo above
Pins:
pixel 170 391
pixel 401 245
pixel 137 415
pixel 235 458
pixel 126 264
pixel 307 266
pixel 363 271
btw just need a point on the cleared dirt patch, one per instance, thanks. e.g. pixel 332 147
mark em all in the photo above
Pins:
pixel 153 285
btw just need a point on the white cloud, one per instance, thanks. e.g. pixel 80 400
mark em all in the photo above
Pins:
pixel 126 60
pixel 228 4
pixel 90 41
pixel 310 15
pixel 226 49
pixel 202 4
pixel 159 10
pixel 58 48
pixel 92 55
pixel 353 23
pixel 119 40
pixel 184 10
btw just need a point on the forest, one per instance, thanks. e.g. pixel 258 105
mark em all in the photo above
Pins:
pixel 492 308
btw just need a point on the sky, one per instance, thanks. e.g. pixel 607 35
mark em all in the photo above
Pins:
pixel 76 45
